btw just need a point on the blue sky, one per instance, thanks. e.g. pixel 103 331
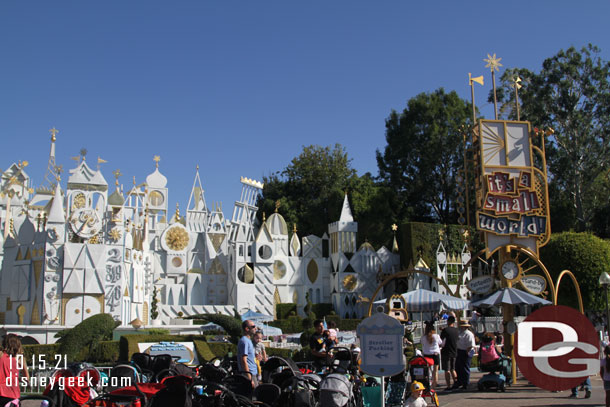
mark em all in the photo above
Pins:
pixel 238 87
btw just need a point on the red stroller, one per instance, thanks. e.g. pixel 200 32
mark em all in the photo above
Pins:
pixel 74 386
pixel 420 369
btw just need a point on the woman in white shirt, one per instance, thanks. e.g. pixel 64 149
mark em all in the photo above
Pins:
pixel 431 348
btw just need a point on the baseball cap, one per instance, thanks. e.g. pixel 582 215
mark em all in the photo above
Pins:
pixel 416 386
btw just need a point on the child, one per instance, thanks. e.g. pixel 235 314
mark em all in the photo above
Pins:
pixel 416 400
pixel 260 356
pixel 605 373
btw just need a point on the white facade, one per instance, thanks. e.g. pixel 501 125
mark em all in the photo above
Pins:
pixel 69 254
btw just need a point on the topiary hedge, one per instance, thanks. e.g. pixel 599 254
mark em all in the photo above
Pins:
pixel 289 325
pixel 86 335
pixel 207 351
pixel 587 257
pixel 286 310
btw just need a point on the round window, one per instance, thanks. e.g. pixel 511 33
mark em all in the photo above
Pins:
pixel 265 252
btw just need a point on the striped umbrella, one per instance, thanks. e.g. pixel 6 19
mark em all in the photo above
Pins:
pixel 511 296
pixel 425 300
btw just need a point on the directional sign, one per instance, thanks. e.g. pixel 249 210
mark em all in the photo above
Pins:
pixel 381 345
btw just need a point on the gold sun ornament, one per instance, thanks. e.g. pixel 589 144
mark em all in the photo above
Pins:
pixel 394 227
pixel 493 62
pixel 115 234
pixel 177 238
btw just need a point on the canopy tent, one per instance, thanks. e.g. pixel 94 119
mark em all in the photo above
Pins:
pixel 210 326
pixel 256 316
pixel 269 330
pixel 425 300
pixel 512 296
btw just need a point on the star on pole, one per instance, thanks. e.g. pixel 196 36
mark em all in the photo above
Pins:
pixel 493 62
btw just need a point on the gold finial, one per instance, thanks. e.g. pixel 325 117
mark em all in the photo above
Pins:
pixel 83 153
pixel 441 233
pixel 134 180
pixel 294 228
pixel 117 174
pixel 58 170
pixel 264 217
pixel 277 205
pixel 22 164
pixel 197 167
pixel 394 227
pixel 156 159
pixel 177 211
pixel 53 132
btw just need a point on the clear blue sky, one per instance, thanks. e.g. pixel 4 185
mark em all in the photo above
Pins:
pixel 238 87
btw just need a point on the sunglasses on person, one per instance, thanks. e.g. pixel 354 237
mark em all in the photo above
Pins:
pixel 252 327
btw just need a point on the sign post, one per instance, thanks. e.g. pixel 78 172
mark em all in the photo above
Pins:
pixel 381 338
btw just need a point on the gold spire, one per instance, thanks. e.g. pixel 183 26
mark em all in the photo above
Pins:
pixel 177 212
pixel 294 228
pixel 156 159
pixel 58 170
pixel 134 180
pixel 277 205
pixel 117 174
pixel 264 217
pixel 53 132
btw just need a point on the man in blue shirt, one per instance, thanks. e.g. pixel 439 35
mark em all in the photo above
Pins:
pixel 245 352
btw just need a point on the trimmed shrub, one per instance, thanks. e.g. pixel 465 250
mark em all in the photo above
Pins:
pixel 231 324
pixel 207 351
pixel 284 311
pixel 587 257
pixel 290 325
pixel 104 352
pixel 86 335
pixel 322 310
pixel 47 351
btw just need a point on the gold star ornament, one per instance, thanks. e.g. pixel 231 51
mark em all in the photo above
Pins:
pixel 493 62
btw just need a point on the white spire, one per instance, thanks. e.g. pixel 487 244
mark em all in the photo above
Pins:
pixel 56 213
pixel 346 211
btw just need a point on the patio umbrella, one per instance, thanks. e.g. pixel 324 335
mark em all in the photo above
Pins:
pixel 425 300
pixel 511 296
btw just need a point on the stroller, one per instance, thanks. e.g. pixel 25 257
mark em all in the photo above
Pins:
pixel 284 376
pixel 336 390
pixel 420 369
pixel 70 386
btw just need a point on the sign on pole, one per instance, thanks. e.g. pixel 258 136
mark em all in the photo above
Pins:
pixel 381 345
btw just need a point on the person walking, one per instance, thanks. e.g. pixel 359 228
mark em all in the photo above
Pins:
pixel 9 369
pixel 465 350
pixel 317 345
pixel 449 336
pixel 431 348
pixel 246 362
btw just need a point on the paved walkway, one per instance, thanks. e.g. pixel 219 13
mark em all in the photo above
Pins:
pixel 521 394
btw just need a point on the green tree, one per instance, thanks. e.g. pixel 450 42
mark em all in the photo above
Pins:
pixel 311 191
pixel 587 257
pixel 423 155
pixel 311 188
pixel 571 94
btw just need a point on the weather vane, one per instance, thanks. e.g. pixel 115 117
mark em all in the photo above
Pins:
pixel 517 85
pixel 493 63
pixel 471 81
pixel 53 132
